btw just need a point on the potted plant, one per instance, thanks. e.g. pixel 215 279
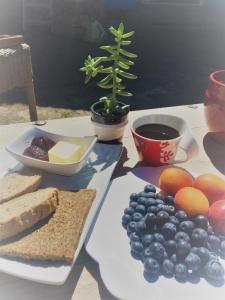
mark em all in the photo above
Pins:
pixel 109 115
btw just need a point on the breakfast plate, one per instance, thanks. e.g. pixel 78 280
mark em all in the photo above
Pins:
pixel 108 244
pixel 96 175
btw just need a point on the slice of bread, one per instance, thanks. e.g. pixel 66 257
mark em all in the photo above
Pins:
pixel 23 212
pixel 58 239
pixel 18 183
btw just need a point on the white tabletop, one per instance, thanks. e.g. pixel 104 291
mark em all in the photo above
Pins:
pixel 84 282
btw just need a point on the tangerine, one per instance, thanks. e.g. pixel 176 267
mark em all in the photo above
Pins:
pixel 211 185
pixel 173 179
pixel 192 201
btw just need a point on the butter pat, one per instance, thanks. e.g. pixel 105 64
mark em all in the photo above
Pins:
pixel 65 153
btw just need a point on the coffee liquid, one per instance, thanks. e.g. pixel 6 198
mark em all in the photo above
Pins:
pixel 157 132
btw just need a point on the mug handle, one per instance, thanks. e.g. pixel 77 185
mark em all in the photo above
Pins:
pixel 189 144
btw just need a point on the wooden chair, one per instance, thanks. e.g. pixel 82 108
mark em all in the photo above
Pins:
pixel 16 69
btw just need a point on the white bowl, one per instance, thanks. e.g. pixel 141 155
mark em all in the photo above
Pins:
pixel 17 147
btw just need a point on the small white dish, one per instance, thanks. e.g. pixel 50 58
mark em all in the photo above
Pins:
pixel 17 147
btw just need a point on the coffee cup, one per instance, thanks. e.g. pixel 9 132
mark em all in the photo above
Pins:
pixel 158 136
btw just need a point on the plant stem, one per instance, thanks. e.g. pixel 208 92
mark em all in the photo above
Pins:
pixel 115 67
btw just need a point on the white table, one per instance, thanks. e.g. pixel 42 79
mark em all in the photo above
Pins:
pixel 84 282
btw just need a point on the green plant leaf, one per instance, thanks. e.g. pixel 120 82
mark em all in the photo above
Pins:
pixel 121 28
pixel 121 87
pixel 110 49
pixel 105 86
pixel 127 75
pixel 128 34
pixel 106 70
pixel 87 78
pixel 128 54
pixel 118 80
pixel 106 80
pixel 113 31
pixel 123 65
pixel 124 93
pixel 125 43
pixel 83 69
pixel 126 61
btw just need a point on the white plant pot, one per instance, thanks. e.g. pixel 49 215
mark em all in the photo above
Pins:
pixel 109 132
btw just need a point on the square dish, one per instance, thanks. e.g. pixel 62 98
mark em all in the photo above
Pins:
pixel 17 147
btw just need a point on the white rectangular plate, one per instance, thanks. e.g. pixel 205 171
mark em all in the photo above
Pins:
pixel 95 174
pixel 109 246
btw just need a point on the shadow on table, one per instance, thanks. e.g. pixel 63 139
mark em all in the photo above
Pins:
pixel 215 152
pixel 12 288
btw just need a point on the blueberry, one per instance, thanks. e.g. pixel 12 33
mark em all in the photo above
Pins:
pixel 133 196
pixel 169 230
pixel 149 202
pixel 160 196
pixel 131 227
pixel 201 222
pixel 158 237
pixel 170 247
pixel 168 268
pixel 129 211
pixel 183 248
pixel 142 200
pixel 221 236
pixel 133 204
pixel 137 247
pixel 140 227
pixel 162 217
pixel 160 206
pixel 222 247
pixel 181 215
pixel 141 209
pixel 134 237
pixel 214 270
pixel 181 236
pixel 174 259
pixel 214 242
pixel 147 195
pixel 151 266
pixel 213 256
pixel 193 261
pixel 126 219
pixel 137 217
pixel 199 236
pixel 170 209
pixel 203 253
pixel 153 209
pixel 174 220
pixel 158 251
pixel 186 226
pixel 169 200
pixel 210 230
pixel 146 254
pixel 159 201
pixel 150 220
pixel 147 239
pixel 150 188
pixel 181 271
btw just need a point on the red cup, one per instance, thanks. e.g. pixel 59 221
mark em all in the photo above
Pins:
pixel 163 152
pixel 215 105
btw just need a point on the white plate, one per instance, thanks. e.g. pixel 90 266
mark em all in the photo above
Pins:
pixel 109 246
pixel 95 174
pixel 17 147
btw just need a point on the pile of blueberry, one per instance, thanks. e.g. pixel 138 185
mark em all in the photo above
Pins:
pixel 168 242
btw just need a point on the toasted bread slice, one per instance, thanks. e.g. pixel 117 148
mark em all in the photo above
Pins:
pixel 23 212
pixel 58 239
pixel 18 183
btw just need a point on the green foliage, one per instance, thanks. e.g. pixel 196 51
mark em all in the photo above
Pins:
pixel 115 68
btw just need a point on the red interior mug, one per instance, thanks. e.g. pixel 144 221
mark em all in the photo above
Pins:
pixel 158 152
pixel 215 105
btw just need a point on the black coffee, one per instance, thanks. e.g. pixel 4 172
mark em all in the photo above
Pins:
pixel 157 132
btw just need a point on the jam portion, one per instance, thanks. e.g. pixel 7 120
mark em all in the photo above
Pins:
pixel 39 148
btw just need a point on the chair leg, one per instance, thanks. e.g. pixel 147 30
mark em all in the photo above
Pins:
pixel 31 100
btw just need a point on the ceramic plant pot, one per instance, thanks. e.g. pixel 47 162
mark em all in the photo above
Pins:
pixel 215 105
pixel 108 127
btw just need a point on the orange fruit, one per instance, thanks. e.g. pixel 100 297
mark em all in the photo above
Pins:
pixel 192 201
pixel 211 185
pixel 173 179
